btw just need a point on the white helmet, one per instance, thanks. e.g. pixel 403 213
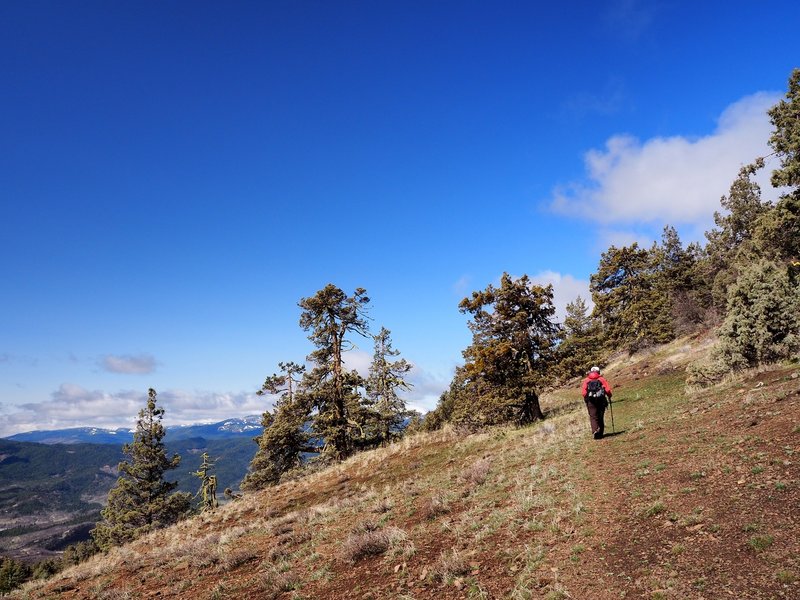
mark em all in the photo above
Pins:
pixel 595 369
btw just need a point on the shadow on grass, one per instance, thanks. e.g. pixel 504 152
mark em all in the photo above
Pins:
pixel 614 433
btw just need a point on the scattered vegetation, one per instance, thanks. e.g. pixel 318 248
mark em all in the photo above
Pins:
pixel 142 500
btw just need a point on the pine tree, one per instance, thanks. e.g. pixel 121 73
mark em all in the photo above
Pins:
pixel 631 310
pixel 13 574
pixel 386 376
pixel 284 439
pixel 513 347
pixel 581 345
pixel 208 485
pixel 330 316
pixel 142 500
pixel 677 277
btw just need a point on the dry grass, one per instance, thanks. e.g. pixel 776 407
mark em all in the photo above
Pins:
pixel 434 507
pixel 477 472
pixel 372 542
pixel 450 565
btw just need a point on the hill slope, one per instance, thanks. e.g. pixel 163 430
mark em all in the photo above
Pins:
pixel 696 496
pixel 51 494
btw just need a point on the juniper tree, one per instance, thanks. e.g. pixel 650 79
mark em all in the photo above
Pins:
pixel 333 391
pixel 581 345
pixel 677 277
pixel 513 347
pixel 284 439
pixel 142 500
pixel 730 243
pixel 778 233
pixel 762 323
pixel 631 310
pixel 386 376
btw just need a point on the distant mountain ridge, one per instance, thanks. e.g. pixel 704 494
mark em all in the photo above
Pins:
pixel 51 492
pixel 229 428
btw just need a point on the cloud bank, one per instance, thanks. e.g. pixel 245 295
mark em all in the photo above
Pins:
pixel 566 289
pixel 129 365
pixel 74 406
pixel 676 180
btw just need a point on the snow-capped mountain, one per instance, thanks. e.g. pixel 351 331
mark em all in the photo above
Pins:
pixel 249 426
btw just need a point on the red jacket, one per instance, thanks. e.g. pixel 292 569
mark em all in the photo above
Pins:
pixel 596 375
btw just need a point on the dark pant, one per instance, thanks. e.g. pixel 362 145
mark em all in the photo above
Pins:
pixel 596 409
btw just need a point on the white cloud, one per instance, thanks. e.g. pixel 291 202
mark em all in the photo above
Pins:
pixel 427 387
pixel 183 407
pixel 358 360
pixel 130 365
pixel 678 180
pixel 74 406
pixel 566 289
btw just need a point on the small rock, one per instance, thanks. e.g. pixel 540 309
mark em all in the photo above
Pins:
pixel 424 574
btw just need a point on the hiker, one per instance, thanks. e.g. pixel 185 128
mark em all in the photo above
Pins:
pixel 596 393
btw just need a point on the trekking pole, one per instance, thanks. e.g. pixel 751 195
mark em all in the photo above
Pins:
pixel 611 408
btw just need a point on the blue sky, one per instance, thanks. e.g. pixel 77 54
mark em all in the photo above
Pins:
pixel 175 176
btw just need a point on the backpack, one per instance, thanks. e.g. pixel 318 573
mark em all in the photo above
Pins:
pixel 595 391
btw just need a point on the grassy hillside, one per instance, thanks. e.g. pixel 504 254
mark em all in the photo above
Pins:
pixel 694 496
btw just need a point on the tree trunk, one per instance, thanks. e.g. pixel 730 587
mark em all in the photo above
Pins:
pixel 532 411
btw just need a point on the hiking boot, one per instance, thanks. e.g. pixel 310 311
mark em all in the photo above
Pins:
pixel 598 435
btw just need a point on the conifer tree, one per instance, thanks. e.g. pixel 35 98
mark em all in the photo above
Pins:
pixel 142 500
pixel 762 324
pixel 513 347
pixel 284 439
pixel 730 244
pixel 631 311
pixel 581 345
pixel 678 279
pixel 331 316
pixel 208 485
pixel 779 231
pixel 13 574
pixel 77 553
pixel 386 376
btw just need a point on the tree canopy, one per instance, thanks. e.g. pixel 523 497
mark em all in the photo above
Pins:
pixel 513 346
pixel 142 500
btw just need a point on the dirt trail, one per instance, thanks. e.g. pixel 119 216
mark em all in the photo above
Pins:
pixel 701 501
